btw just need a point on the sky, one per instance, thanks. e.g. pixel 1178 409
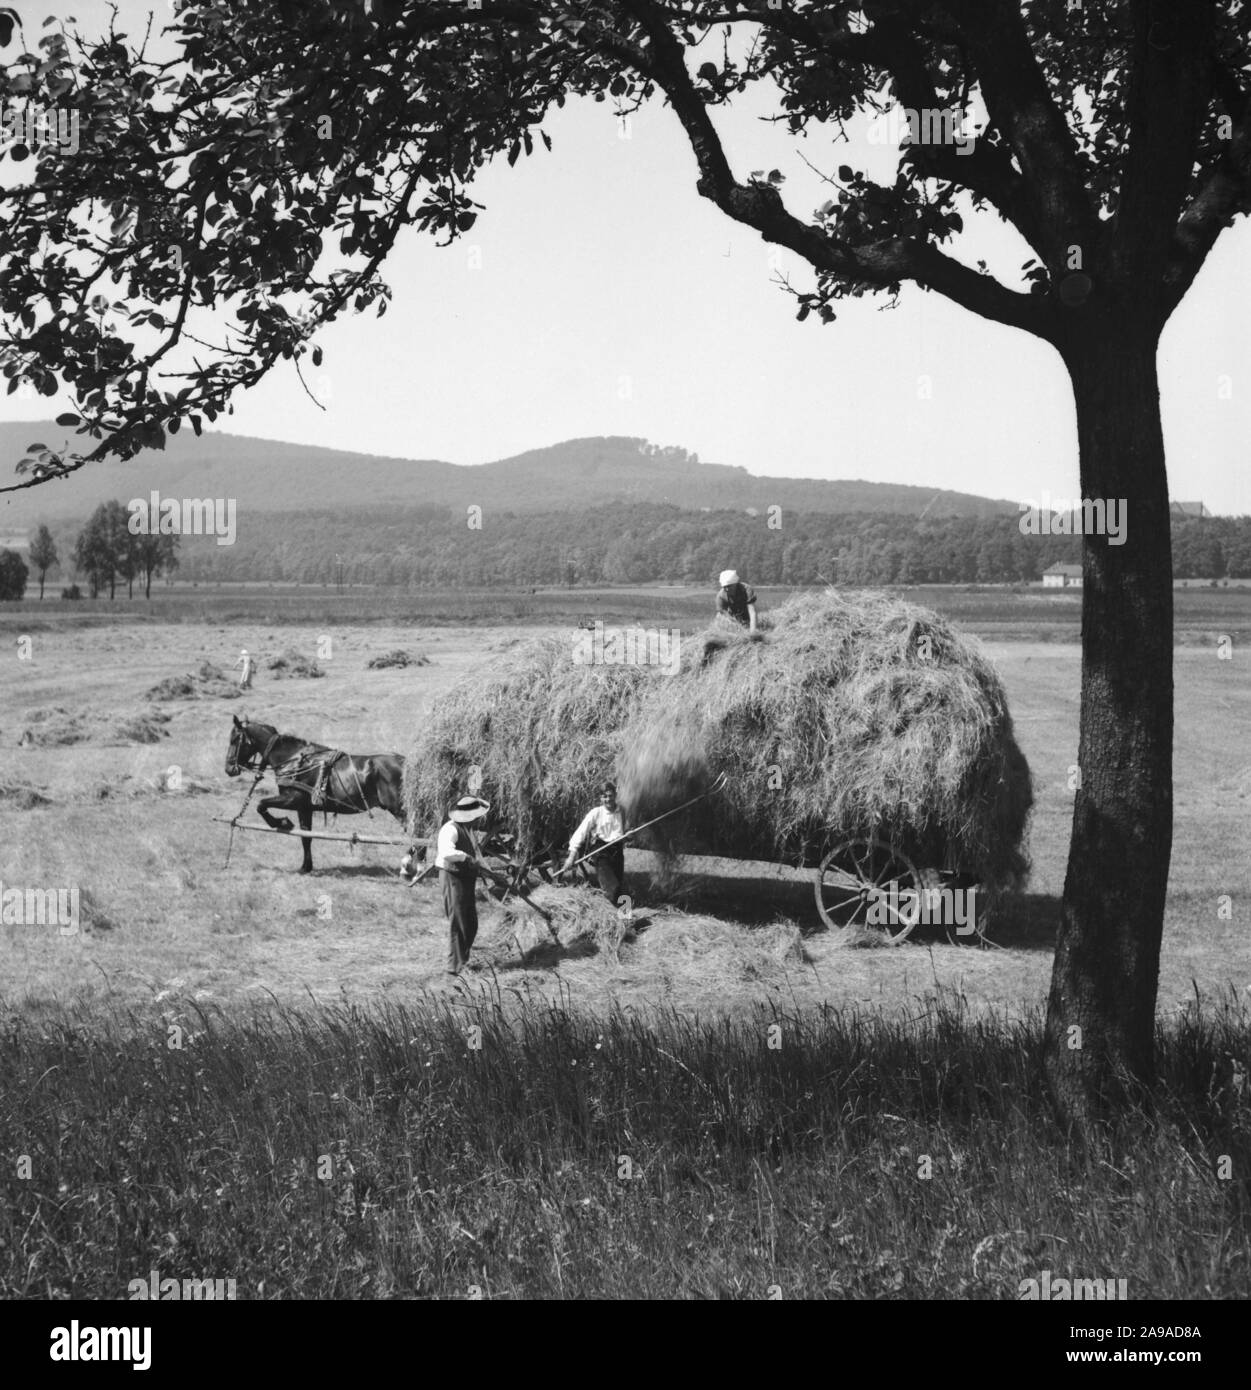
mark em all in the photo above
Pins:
pixel 599 295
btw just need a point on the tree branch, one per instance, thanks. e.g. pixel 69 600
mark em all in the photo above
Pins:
pixel 1021 106
pixel 1224 195
pixel 880 264
pixel 1168 92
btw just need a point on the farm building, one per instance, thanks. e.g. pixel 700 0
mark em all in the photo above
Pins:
pixel 1062 577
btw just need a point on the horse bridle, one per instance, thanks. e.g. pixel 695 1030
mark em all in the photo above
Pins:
pixel 249 762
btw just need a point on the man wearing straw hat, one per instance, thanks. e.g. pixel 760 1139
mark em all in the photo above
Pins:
pixel 602 825
pixel 736 600
pixel 456 858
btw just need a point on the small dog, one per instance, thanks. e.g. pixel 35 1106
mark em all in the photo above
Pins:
pixel 412 863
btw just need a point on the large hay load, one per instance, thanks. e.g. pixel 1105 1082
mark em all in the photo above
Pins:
pixel 852 716
pixel 848 715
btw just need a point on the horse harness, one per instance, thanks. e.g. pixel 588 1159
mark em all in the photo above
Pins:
pixel 288 774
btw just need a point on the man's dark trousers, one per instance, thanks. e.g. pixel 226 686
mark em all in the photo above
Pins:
pixel 462 916
pixel 609 866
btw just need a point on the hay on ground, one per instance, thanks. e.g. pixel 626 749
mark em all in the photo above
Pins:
pixel 174 688
pixel 582 920
pixel 294 665
pixel 55 727
pixel 398 658
pixel 209 680
pixel 144 728
pixel 20 797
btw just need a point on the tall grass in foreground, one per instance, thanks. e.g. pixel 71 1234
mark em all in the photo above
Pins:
pixel 517 1148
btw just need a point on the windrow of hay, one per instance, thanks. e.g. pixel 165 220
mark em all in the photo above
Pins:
pixel 294 665
pixel 143 728
pixel 399 657
pixel 209 680
pixel 55 727
pixel 850 714
pixel 20 797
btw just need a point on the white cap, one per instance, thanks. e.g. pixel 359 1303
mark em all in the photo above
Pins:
pixel 244 652
pixel 729 577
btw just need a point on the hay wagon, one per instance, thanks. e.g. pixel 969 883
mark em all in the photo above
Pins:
pixel 862 741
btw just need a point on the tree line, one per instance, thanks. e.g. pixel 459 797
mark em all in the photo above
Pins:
pixel 620 543
pixel 103 553
pixel 636 543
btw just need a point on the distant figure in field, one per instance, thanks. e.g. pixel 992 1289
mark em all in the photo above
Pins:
pixel 601 826
pixel 245 673
pixel 736 600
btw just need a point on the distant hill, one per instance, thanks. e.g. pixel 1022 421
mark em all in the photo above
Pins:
pixel 266 475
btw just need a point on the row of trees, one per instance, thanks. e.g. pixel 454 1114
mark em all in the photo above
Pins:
pixel 104 552
pixel 624 543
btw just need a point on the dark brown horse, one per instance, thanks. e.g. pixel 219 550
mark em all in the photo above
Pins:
pixel 312 777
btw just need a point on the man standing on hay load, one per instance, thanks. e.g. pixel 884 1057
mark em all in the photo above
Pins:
pixel 600 825
pixel 456 858
pixel 736 600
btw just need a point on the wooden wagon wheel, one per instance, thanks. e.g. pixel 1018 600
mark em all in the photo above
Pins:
pixel 859 873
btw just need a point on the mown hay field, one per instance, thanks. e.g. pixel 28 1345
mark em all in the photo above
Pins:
pixel 151 863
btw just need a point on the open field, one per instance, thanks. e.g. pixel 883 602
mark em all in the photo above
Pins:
pixel 1030 614
pixel 165 909
pixel 241 1072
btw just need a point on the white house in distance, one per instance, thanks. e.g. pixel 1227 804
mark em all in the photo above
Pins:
pixel 1059 576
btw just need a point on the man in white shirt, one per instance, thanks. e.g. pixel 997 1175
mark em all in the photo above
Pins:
pixel 456 858
pixel 245 675
pixel 600 825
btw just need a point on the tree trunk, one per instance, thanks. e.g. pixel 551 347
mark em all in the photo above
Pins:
pixel 1101 1011
pixel 147 584
pixel 41 574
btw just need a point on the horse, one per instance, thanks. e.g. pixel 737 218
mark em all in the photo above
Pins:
pixel 312 777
